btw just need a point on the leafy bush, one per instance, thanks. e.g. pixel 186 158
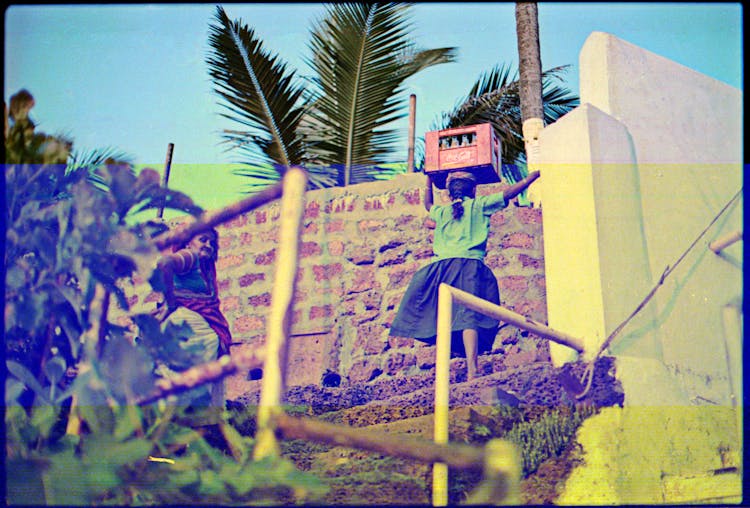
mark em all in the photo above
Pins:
pixel 70 243
pixel 548 435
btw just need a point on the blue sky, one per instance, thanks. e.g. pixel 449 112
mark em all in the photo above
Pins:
pixel 134 77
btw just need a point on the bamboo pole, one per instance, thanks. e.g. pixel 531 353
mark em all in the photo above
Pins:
pixel 167 166
pixel 206 373
pixel 209 220
pixel 731 316
pixel 508 316
pixel 279 318
pixel 725 241
pixel 502 475
pixel 459 456
pixel 412 128
pixel 442 389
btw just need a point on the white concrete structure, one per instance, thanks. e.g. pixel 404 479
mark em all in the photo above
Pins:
pixel 629 181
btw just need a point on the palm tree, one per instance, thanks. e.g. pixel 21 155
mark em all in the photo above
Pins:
pixel 336 125
pixel 530 69
pixel 496 98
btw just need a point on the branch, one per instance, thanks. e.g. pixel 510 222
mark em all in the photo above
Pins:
pixel 207 373
pixel 209 220
pixel 457 456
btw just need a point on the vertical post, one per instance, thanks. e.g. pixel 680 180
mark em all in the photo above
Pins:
pixel 167 167
pixel 442 390
pixel 731 315
pixel 530 84
pixel 412 122
pixel 279 317
pixel 502 476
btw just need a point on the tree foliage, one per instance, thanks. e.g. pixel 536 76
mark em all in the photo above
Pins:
pixel 495 98
pixel 335 124
pixel 69 248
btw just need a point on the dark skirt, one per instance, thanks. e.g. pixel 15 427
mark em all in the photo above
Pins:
pixel 417 314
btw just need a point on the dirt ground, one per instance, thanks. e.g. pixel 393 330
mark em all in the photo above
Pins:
pixel 404 405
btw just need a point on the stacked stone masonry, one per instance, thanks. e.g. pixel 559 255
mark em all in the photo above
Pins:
pixel 359 249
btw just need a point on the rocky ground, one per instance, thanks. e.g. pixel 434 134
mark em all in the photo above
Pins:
pixel 405 405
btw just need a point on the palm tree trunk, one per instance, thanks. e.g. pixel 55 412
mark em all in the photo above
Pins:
pixel 530 62
pixel 530 74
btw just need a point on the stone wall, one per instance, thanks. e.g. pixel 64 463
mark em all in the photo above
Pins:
pixel 359 248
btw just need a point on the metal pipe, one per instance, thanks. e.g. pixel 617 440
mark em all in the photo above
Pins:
pixel 725 241
pixel 508 316
pixel 442 389
pixel 279 317
pixel 412 122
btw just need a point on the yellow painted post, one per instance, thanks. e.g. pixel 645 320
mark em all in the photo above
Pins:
pixel 502 476
pixel 442 391
pixel 279 317
pixel 732 320
pixel 503 314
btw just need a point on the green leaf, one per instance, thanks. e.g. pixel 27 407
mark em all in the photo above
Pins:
pixel 211 483
pixel 27 378
pixel 24 482
pixel 54 369
pixel 128 421
pixel 44 417
pixel 126 368
pixel 235 440
pixel 185 478
pixel 13 390
pixel 105 449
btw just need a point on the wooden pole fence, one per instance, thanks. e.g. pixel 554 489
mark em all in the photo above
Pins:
pixel 508 316
pixel 725 241
pixel 412 128
pixel 279 316
pixel 458 456
pixel 209 220
pixel 206 373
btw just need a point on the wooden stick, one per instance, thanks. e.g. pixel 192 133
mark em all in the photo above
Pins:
pixel 167 166
pixel 412 121
pixel 279 317
pixel 209 220
pixel 459 456
pixel 502 475
pixel 206 373
pixel 518 320
pixel 442 389
pixel 725 241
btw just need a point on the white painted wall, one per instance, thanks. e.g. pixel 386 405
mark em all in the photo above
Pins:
pixel 628 182
pixel 659 146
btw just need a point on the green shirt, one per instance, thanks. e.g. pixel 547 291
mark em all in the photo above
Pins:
pixel 467 236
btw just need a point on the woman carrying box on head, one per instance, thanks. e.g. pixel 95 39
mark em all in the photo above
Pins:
pixel 459 246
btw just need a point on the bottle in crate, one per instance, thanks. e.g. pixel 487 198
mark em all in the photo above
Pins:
pixel 473 148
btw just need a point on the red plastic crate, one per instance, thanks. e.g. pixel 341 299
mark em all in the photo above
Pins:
pixel 473 148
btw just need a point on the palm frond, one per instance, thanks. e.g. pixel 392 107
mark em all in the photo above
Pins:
pixel 258 91
pixel 89 160
pixel 259 177
pixel 494 98
pixel 362 55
